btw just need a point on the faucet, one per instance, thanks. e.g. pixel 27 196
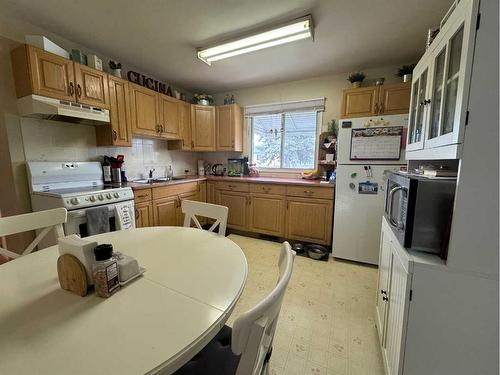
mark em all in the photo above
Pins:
pixel 151 173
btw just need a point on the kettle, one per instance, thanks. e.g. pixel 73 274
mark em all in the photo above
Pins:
pixel 218 169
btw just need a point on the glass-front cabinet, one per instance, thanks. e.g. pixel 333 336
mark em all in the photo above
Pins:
pixel 440 87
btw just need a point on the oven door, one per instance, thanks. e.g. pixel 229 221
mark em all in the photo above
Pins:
pixel 77 221
pixel 396 204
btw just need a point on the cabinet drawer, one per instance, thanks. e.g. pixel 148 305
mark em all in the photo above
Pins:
pixel 309 192
pixel 232 186
pixel 268 189
pixel 142 195
pixel 168 191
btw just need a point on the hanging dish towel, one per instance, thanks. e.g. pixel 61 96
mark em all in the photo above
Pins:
pixel 97 220
pixel 124 215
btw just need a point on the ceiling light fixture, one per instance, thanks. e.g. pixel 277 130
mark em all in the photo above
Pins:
pixel 297 29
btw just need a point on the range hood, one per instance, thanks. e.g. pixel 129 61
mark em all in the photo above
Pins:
pixel 41 107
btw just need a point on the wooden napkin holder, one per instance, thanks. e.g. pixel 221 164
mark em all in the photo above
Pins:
pixel 72 275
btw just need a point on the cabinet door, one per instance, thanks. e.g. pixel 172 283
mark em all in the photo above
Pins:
pixel 229 120
pixel 51 75
pixel 203 128
pixel 360 102
pixel 309 220
pixel 144 110
pixel 418 111
pixel 144 214
pixel 267 214
pixel 383 289
pixel 447 93
pixel 119 132
pixel 394 99
pixel 169 116
pixel 185 125
pixel 237 204
pixel 165 211
pixel 91 86
pixel 397 313
pixel 211 192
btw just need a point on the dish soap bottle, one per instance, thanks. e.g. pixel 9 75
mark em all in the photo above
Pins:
pixel 170 173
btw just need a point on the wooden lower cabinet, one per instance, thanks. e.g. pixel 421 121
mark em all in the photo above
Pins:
pixel 267 214
pixel 309 220
pixel 165 211
pixel 192 196
pixel 144 214
pixel 211 198
pixel 237 203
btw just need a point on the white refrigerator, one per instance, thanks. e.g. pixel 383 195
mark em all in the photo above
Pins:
pixel 360 182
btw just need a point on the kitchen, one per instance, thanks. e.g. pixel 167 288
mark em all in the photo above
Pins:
pixel 327 195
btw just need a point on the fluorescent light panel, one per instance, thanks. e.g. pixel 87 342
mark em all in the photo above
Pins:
pixel 295 30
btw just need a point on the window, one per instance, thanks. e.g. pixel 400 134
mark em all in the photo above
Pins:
pixel 284 140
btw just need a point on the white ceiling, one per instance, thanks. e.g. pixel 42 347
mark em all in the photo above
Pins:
pixel 161 36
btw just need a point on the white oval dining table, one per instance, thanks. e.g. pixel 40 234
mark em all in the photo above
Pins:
pixel 154 324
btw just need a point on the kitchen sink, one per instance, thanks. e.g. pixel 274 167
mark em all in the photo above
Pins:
pixel 159 179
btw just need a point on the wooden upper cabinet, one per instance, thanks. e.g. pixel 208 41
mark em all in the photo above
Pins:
pixel 144 110
pixel 395 99
pixel 169 116
pixel 203 128
pixel 229 120
pixel 91 86
pixel 119 132
pixel 42 73
pixel 360 102
pixel 376 100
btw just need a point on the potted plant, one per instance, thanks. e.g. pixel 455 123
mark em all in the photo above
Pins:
pixel 203 99
pixel 116 68
pixel 356 78
pixel 406 72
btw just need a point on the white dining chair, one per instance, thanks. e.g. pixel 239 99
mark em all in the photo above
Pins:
pixel 192 209
pixel 246 348
pixel 44 221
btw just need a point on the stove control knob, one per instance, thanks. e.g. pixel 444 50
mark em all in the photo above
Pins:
pixel 92 198
pixel 116 195
pixel 108 196
pixel 100 197
pixel 75 201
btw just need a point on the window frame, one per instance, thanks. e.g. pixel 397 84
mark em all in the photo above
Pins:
pixel 319 119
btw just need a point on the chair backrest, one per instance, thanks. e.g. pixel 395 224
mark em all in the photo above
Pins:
pixel 44 220
pixel 253 331
pixel 191 209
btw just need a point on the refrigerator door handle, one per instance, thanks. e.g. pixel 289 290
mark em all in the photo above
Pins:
pixel 393 191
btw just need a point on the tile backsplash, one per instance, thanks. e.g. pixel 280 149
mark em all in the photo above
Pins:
pixel 54 141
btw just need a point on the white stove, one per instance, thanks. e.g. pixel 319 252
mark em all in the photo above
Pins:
pixel 76 186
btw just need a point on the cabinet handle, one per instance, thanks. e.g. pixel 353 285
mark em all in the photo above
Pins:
pixel 427 101
pixel 115 135
pixel 71 88
pixel 383 291
pixel 287 205
pixel 384 298
pixel 381 108
pixel 79 90
pixel 308 192
pixel 192 144
pixel 142 196
pixel 161 128
pixel 376 108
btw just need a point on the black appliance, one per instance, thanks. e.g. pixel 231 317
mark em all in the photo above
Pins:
pixel 419 211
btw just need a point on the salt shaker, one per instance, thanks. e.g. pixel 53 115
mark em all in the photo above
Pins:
pixel 105 271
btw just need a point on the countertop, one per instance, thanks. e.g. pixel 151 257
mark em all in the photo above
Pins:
pixel 257 180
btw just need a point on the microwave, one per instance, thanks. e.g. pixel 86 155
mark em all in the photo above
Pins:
pixel 419 210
